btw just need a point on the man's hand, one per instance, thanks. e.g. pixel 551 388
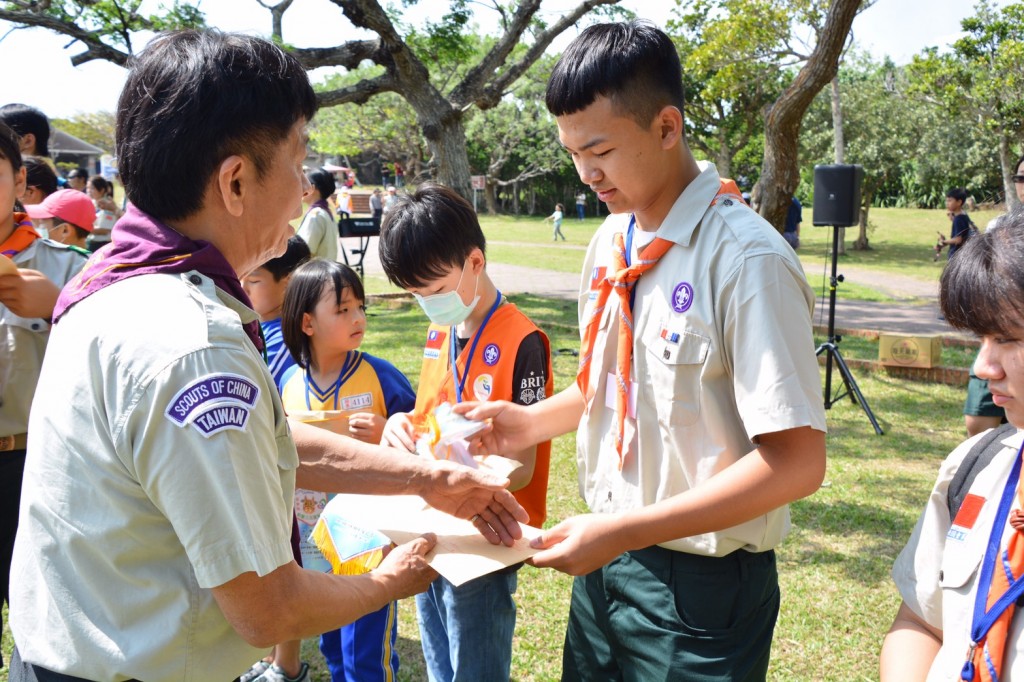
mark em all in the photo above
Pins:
pixel 580 544
pixel 399 432
pixel 405 571
pixel 29 294
pixel 366 426
pixel 474 494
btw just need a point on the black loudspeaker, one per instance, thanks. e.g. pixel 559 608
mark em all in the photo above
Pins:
pixel 837 195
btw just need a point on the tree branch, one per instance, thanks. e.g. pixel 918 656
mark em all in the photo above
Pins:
pixel 96 49
pixel 357 93
pixel 349 55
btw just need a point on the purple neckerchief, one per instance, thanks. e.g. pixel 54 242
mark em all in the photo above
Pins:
pixel 142 245
pixel 321 203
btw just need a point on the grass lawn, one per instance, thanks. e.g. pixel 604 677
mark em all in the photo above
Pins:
pixel 838 599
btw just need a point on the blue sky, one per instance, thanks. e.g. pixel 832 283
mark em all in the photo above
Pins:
pixel 39 72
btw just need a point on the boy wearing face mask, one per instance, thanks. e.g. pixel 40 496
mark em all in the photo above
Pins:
pixel 479 346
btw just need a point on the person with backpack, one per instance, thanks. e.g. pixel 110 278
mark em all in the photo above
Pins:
pixel 961 573
pixel 962 227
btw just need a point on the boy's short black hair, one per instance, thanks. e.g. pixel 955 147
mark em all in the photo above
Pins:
pixel 982 287
pixel 192 99
pixel 958 193
pixel 39 174
pixel 295 255
pixel 323 182
pixel 25 120
pixel 10 149
pixel 427 233
pixel 634 64
pixel 304 291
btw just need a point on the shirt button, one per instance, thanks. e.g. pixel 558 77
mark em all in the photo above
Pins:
pixel 942 575
pixel 668 354
pixel 36 326
pixel 195 279
pixel 727 202
pixel 609 495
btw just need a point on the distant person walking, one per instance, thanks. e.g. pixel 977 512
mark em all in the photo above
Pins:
pixel 556 218
pixel 581 205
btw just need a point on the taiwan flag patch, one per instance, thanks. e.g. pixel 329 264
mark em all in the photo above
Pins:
pixel 596 277
pixel 435 338
pixel 966 516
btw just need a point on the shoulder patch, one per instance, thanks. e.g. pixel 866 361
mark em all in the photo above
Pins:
pixel 214 403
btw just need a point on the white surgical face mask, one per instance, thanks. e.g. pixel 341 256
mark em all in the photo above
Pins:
pixel 447 309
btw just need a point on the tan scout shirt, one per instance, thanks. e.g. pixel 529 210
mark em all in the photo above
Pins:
pixel 27 337
pixel 723 351
pixel 937 572
pixel 161 467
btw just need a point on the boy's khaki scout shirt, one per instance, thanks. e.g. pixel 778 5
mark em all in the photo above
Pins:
pixel 26 338
pixel 160 465
pixel 937 572
pixel 722 352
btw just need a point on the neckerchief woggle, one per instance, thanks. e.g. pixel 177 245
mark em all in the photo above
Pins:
pixel 460 384
pixel 142 245
pixel 352 361
pixel 982 621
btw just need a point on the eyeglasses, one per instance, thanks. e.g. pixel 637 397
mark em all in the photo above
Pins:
pixel 1018 179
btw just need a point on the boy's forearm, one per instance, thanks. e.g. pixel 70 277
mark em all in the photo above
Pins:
pixel 786 466
pixel 557 415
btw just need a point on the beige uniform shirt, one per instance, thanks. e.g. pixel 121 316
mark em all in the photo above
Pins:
pixel 26 338
pixel 937 572
pixel 320 234
pixel 722 352
pixel 159 465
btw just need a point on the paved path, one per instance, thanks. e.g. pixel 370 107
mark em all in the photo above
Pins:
pixel 915 312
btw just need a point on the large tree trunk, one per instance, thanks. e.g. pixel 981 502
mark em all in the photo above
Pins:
pixel 1005 163
pixel 839 143
pixel 447 140
pixel 723 156
pixel 779 172
pixel 861 244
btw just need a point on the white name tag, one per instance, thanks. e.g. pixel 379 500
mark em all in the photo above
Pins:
pixel 611 396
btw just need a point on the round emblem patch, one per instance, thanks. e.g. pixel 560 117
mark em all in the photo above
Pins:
pixel 491 354
pixel 482 386
pixel 682 297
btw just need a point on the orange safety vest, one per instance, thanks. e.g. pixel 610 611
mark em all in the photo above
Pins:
pixel 490 378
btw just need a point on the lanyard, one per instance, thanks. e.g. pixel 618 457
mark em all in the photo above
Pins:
pixel 629 258
pixel 352 359
pixel 982 621
pixel 460 384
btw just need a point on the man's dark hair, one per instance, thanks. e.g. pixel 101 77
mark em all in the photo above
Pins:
pixel 39 174
pixel 192 99
pixel 982 288
pixel 25 120
pixel 10 149
pixel 958 193
pixel 633 64
pixel 427 233
pixel 323 182
pixel 304 291
pixel 295 255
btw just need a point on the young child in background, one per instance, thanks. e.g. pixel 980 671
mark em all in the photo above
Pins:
pixel 479 347
pixel 101 191
pixel 337 387
pixel 26 306
pixel 66 216
pixel 266 286
pixel 556 218
pixel 318 228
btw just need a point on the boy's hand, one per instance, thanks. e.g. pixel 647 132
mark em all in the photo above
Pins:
pixel 367 427
pixel 475 494
pixel 399 432
pixel 29 294
pixel 507 431
pixel 405 569
pixel 579 545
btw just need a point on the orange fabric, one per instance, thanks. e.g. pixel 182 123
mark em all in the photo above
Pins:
pixel 993 648
pixel 22 237
pixel 622 282
pixel 506 329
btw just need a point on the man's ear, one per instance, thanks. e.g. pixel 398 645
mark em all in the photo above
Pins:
pixel 27 143
pixel 232 183
pixel 670 124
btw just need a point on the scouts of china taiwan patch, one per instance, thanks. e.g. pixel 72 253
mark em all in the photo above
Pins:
pixel 433 348
pixel 214 403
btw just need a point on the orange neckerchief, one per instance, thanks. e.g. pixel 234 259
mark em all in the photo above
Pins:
pixel 22 237
pixel 622 282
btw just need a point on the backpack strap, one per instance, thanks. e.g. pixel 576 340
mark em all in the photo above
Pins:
pixel 979 457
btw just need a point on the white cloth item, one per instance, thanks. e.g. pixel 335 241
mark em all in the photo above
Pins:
pixel 937 572
pixel 319 231
pixel 169 470
pixel 723 352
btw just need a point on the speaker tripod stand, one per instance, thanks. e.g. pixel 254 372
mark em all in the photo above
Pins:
pixel 831 348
